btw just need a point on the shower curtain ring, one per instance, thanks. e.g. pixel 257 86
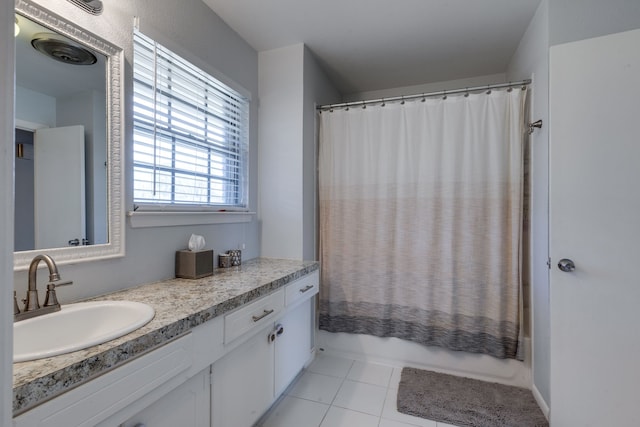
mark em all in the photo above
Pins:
pixel 488 90
pixel 363 105
pixel 445 94
pixel 383 104
pixel 466 95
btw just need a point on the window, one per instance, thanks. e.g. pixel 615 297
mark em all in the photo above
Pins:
pixel 190 134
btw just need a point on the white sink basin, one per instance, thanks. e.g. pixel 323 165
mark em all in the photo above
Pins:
pixel 77 326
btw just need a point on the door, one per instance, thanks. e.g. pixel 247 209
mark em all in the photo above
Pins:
pixel 59 186
pixel 595 222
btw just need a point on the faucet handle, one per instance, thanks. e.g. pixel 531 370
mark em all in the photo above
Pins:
pixel 51 299
pixel 16 309
pixel 56 284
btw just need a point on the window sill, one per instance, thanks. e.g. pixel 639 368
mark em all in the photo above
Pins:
pixel 169 219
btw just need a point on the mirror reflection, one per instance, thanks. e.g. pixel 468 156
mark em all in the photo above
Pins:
pixel 61 141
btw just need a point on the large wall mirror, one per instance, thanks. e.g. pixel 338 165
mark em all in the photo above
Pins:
pixel 68 166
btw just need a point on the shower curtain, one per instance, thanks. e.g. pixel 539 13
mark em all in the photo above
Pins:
pixel 421 221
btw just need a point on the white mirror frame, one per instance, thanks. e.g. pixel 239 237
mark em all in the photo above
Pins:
pixel 115 164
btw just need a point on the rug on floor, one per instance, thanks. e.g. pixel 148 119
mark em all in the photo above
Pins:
pixel 466 402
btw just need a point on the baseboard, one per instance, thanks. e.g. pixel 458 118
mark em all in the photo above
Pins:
pixel 540 401
pixel 398 353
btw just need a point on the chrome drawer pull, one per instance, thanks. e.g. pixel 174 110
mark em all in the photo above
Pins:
pixel 306 288
pixel 263 315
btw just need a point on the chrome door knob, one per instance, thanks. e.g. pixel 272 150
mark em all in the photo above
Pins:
pixel 566 265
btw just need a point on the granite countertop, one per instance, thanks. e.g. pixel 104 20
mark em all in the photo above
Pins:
pixel 180 305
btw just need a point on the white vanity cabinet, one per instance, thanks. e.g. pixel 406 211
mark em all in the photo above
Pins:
pixel 225 372
pixel 293 346
pixel 242 382
pixel 185 406
pixel 253 374
pixel 171 374
pixel 138 382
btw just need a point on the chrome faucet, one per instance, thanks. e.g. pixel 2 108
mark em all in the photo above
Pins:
pixel 31 304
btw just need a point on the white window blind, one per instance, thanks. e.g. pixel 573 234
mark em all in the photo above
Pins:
pixel 190 134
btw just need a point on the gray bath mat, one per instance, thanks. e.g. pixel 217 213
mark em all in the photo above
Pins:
pixel 466 402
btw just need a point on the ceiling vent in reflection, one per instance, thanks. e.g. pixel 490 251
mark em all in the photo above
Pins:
pixel 94 7
pixel 62 49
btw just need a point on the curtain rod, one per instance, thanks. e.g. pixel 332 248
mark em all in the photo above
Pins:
pixel 522 83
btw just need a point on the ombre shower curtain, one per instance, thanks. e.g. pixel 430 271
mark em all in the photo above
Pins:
pixel 421 221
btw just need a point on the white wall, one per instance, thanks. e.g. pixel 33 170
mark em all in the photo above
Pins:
pixel 191 29
pixel 98 172
pixel 7 51
pixel 35 107
pixel 291 85
pixel 531 60
pixel 280 151
pixel 427 87
pixel 572 20
pixel 318 90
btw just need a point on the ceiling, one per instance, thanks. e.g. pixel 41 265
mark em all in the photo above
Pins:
pixel 366 45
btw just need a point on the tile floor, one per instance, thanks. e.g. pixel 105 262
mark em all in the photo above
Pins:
pixel 337 392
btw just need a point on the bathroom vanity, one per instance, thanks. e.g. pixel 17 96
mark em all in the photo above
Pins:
pixel 219 351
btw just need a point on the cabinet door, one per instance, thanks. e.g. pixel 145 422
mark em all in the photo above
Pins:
pixel 293 345
pixel 186 406
pixel 242 384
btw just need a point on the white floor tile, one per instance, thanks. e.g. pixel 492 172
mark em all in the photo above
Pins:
pixel 346 394
pixel 390 412
pixel 295 412
pixel 395 378
pixel 340 417
pixel 392 423
pixel 316 387
pixel 370 373
pixel 330 365
pixel 361 397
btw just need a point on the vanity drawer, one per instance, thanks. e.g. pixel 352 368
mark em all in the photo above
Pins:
pixel 303 288
pixel 253 315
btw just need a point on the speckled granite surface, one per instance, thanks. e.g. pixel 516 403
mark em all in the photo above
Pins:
pixel 180 304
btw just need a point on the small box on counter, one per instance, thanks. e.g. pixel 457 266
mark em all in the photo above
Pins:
pixel 224 260
pixel 194 264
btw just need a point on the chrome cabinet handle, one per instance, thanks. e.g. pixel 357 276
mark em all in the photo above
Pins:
pixel 306 288
pixel 263 315
pixel 566 265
